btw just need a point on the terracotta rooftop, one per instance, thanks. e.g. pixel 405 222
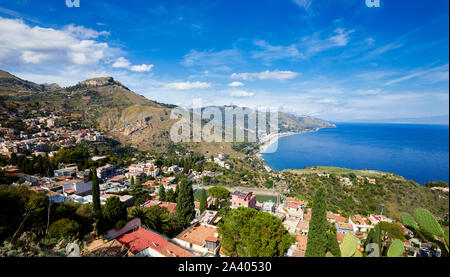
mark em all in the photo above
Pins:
pixel 141 239
pixel 340 219
pixel 168 205
pixel 302 241
pixel 198 234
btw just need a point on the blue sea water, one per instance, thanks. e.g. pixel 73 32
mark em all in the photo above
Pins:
pixel 417 152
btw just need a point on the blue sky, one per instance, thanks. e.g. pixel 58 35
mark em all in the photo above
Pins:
pixel 334 59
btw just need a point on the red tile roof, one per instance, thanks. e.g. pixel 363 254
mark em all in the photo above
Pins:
pixel 340 219
pixel 142 239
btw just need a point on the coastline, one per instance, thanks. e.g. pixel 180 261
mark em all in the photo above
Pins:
pixel 268 140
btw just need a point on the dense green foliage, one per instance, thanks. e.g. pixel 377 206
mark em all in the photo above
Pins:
pixel 203 201
pixel 390 193
pixel 185 203
pixel 247 232
pixel 95 192
pixel 318 226
pixel 64 228
pixel 158 219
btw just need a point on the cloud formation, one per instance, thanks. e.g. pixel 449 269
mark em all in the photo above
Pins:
pixel 188 85
pixel 266 75
pixel 124 63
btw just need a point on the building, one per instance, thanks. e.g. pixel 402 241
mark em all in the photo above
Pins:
pixel 77 187
pixel 294 210
pixel 268 207
pixel 243 199
pixel 344 228
pixel 148 243
pixel 171 207
pixel 303 227
pixel 65 172
pixel 202 239
pixel 106 171
pixel 360 224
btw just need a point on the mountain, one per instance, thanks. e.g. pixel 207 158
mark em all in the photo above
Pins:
pixel 107 104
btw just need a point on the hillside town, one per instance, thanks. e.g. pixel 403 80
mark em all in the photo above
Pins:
pixel 45 136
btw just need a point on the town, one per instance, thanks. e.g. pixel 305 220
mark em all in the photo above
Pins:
pixel 149 186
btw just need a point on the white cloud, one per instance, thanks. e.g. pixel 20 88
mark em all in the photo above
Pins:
pixel 305 4
pixel 271 52
pixel 188 85
pixel 74 47
pixel 235 84
pixel 433 75
pixel 239 93
pixel 121 63
pixel 266 75
pixel 22 44
pixel 141 68
pixel 124 63
pixel 211 58
pixel 83 32
pixel 306 48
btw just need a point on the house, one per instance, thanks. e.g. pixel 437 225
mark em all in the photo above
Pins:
pixel 174 169
pixel 268 207
pixel 77 187
pixel 65 172
pixel 346 181
pixel 344 228
pixel 208 217
pixel 339 219
pixel 148 243
pixel 303 227
pixel 302 242
pixel 291 225
pixel 202 239
pixel 294 210
pixel 243 199
pixel 359 224
pixel 171 207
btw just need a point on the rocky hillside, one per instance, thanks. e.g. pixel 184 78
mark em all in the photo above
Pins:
pixel 110 106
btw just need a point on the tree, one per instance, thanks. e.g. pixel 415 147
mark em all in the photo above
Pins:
pixel 170 196
pixel 248 232
pixel 185 212
pixel 219 192
pixel 162 193
pixel 203 201
pixel 318 226
pixel 132 183
pixel 95 193
pixel 333 245
pixel 64 228
pixel 114 211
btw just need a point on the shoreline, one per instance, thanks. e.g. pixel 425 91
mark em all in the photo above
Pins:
pixel 267 141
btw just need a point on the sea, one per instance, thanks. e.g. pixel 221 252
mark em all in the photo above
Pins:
pixel 416 152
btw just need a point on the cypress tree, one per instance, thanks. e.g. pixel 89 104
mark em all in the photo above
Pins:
pixel 203 201
pixel 132 183
pixel 90 175
pixel 162 193
pixel 318 226
pixel 185 212
pixel 95 193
